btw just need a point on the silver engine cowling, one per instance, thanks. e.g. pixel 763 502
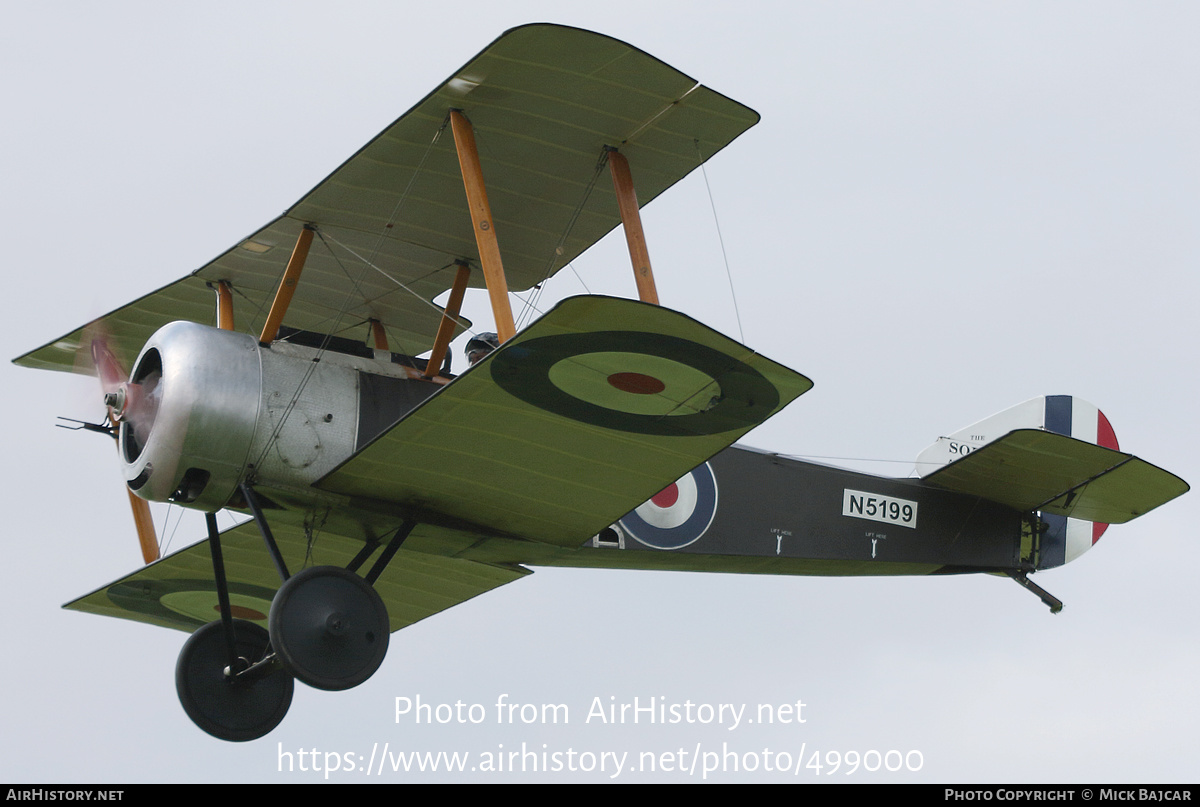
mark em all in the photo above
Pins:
pixel 205 409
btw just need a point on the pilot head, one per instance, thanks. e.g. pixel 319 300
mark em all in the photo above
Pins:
pixel 481 345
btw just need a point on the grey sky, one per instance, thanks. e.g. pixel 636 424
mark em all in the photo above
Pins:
pixel 947 208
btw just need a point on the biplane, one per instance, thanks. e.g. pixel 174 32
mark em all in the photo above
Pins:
pixel 304 377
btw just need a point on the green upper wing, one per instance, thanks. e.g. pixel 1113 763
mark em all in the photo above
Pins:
pixel 179 592
pixel 544 100
pixel 1030 469
pixel 586 414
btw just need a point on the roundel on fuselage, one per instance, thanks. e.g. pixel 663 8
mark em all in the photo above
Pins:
pixel 678 514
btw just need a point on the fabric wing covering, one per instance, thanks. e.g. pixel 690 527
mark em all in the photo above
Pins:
pixel 545 101
pixel 586 414
pixel 178 591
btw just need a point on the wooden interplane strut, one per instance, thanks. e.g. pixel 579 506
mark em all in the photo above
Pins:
pixel 144 523
pixel 224 306
pixel 449 318
pixel 287 286
pixel 631 222
pixel 485 229
pixel 379 335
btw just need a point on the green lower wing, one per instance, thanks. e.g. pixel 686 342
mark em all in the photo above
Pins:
pixel 1031 470
pixel 589 412
pixel 178 591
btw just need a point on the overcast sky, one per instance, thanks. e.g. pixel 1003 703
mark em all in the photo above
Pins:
pixel 948 208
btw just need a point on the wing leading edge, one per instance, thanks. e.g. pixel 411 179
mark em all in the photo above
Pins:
pixel 179 592
pixel 544 100
pixel 586 414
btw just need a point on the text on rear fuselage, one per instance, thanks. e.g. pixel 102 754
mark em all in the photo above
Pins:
pixel 876 507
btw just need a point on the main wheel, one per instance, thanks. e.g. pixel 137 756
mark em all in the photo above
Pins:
pixel 330 627
pixel 234 709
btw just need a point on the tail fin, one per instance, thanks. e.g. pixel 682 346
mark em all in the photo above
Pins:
pixel 1053 476
pixel 1061 414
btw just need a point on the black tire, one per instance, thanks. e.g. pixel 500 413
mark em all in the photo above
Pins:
pixel 329 627
pixel 236 710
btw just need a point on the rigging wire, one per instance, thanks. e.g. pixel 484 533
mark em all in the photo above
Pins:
pixel 355 287
pixel 166 542
pixel 259 307
pixel 312 529
pixel 312 366
pixel 717 223
pixel 558 250
pixel 646 123
pixel 844 459
pixel 441 311
pixel 383 231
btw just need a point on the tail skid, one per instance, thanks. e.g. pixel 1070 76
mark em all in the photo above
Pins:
pixel 1053 603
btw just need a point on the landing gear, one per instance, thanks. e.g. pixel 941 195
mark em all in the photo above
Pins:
pixel 226 704
pixel 329 627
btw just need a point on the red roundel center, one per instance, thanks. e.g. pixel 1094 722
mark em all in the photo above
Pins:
pixel 667 496
pixel 241 612
pixel 637 383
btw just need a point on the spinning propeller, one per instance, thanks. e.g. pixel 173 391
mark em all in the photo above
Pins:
pixel 132 407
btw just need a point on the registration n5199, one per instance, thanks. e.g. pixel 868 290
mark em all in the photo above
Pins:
pixel 875 507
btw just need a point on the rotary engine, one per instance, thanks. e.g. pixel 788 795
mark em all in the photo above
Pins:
pixel 204 409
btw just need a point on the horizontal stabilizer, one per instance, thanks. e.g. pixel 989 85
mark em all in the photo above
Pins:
pixel 1061 414
pixel 1030 470
pixel 580 418
pixel 178 591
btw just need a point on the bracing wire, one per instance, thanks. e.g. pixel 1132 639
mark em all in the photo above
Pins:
pixel 720 238
pixel 556 253
pixel 400 283
pixel 166 542
pixel 312 366
pixel 408 188
pixel 355 285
